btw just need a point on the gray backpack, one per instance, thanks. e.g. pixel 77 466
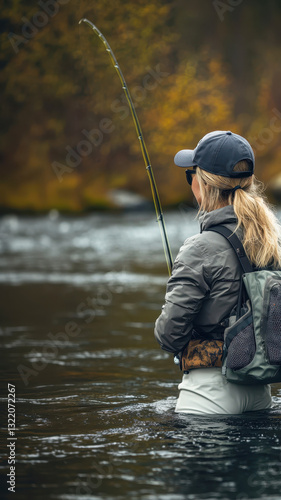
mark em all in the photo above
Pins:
pixel 252 339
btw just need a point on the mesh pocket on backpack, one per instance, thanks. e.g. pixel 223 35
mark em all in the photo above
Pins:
pixel 273 330
pixel 241 350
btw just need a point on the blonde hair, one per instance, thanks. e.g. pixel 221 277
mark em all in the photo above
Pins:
pixel 261 229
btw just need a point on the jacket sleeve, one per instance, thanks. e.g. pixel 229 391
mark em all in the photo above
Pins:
pixel 186 289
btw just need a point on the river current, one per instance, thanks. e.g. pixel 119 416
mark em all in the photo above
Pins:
pixel 94 393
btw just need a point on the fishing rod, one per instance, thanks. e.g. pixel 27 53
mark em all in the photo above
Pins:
pixel 155 195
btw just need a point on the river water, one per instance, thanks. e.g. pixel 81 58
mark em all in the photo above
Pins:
pixel 94 394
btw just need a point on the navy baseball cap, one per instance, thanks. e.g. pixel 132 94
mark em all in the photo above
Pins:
pixel 217 153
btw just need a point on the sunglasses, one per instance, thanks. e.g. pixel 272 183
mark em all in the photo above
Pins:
pixel 189 174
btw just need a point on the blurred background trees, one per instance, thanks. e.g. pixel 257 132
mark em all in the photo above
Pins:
pixel 67 138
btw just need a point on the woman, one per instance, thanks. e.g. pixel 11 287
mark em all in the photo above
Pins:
pixel 205 281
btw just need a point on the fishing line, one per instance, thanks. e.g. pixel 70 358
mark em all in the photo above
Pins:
pixel 154 190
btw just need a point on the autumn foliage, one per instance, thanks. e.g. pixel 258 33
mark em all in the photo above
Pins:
pixel 67 135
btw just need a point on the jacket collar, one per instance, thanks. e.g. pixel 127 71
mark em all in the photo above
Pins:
pixel 224 215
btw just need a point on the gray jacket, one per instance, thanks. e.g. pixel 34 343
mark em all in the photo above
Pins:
pixel 203 287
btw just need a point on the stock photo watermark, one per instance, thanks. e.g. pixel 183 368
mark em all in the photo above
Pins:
pixel 267 134
pixel 87 310
pixel 94 480
pixel 49 352
pixel 93 138
pixel 39 20
pixel 227 6
pixel 11 475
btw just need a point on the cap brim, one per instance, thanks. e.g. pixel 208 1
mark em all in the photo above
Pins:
pixel 184 158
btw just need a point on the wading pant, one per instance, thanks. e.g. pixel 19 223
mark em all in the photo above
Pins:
pixel 206 391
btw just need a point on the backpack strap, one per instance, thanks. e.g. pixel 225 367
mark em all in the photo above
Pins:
pixel 236 245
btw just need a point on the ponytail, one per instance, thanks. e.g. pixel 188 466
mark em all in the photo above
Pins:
pixel 261 229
